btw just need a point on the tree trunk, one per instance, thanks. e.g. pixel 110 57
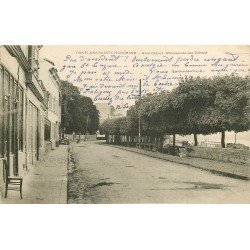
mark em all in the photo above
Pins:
pixel 174 140
pixel 161 144
pixel 107 138
pixel 195 140
pixel 173 144
pixel 223 145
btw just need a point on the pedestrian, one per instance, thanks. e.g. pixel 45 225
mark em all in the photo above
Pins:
pixel 73 135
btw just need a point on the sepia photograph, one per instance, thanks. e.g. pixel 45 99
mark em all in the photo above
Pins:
pixel 124 124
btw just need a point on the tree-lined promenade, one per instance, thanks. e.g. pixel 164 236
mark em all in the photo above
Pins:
pixel 197 106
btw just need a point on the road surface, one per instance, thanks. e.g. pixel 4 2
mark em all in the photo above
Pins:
pixel 105 174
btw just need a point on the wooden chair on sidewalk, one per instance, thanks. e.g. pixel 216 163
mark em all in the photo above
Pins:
pixel 11 182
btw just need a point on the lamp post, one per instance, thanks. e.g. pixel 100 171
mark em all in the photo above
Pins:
pixel 139 136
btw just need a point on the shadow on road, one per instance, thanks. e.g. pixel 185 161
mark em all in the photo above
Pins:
pixel 201 186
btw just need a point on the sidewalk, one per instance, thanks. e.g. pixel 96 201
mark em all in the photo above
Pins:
pixel 220 168
pixel 46 182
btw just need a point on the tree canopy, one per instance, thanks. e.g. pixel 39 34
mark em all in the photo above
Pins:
pixel 196 106
pixel 77 111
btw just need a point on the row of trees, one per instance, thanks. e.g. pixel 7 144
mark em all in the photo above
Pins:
pixel 196 106
pixel 79 114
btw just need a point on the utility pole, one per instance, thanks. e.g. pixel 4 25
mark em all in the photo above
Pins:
pixel 139 137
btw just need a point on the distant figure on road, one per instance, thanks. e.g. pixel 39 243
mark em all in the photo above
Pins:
pixel 74 135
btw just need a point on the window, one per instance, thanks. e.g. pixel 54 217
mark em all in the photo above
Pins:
pixel 42 129
pixel 20 118
pixel 7 118
pixel 6 82
pixel 13 112
pixel 47 126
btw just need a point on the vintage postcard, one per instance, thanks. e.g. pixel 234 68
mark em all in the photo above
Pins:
pixel 124 124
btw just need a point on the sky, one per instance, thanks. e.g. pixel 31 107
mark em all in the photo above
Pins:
pixel 111 74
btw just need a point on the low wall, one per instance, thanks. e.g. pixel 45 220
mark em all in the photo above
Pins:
pixel 236 156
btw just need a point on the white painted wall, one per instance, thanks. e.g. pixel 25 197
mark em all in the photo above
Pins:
pixel 54 111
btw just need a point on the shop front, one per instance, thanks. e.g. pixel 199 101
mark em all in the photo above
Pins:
pixel 11 121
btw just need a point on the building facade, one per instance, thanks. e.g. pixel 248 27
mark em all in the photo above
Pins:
pixel 51 81
pixel 24 108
